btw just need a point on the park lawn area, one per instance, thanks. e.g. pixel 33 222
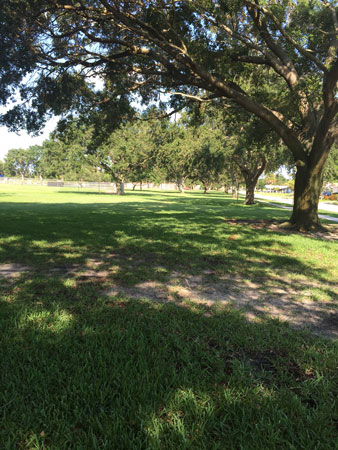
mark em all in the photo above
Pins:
pixel 328 213
pixel 92 359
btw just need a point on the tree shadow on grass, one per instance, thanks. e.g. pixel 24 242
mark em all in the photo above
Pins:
pixel 139 237
pixel 83 191
pixel 134 245
pixel 80 370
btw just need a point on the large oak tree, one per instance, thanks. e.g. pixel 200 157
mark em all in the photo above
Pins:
pixel 195 50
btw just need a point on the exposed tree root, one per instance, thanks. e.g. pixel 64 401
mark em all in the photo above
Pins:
pixel 304 228
pixel 328 232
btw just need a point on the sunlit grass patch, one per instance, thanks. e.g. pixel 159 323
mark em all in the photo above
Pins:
pixel 321 295
pixel 55 322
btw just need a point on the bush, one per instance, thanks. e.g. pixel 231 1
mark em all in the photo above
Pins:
pixel 331 197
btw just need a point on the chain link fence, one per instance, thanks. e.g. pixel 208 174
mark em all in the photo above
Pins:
pixel 99 186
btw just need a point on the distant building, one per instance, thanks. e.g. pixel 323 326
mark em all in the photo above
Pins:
pixel 275 188
pixel 332 188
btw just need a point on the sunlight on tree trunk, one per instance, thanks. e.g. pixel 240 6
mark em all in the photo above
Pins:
pixel 120 188
pixel 180 185
pixel 251 172
pixel 250 193
pixel 308 185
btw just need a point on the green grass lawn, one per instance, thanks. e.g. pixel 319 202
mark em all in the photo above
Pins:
pixel 83 370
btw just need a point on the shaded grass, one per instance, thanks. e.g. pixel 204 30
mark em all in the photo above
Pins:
pixel 81 370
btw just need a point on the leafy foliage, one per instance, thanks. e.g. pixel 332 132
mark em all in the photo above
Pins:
pixel 128 153
pixel 331 170
pixel 19 162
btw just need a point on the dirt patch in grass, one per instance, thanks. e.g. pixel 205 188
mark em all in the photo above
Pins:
pixel 279 298
pixel 282 302
pixel 11 271
pixel 330 232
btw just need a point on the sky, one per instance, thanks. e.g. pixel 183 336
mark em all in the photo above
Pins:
pixel 23 140
pixel 10 140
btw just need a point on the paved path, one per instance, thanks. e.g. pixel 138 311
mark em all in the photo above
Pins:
pixel 322 205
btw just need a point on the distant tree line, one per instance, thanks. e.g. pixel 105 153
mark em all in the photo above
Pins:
pixel 203 147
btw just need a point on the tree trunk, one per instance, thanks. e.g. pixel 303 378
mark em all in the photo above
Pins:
pixel 134 186
pixel 250 191
pixel 233 187
pixel 234 191
pixel 180 185
pixel 233 182
pixel 205 188
pixel 120 188
pixel 308 185
pixel 251 175
pixel 226 189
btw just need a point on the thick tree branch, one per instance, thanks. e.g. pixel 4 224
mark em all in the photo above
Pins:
pixel 308 54
pixel 333 47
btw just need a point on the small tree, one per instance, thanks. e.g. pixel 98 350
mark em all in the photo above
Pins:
pixel 17 163
pixel 245 140
pixel 175 153
pixel 208 159
pixel 252 166
pixel 35 154
pixel 257 150
pixel 128 153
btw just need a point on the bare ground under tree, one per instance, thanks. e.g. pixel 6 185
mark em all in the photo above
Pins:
pixel 278 297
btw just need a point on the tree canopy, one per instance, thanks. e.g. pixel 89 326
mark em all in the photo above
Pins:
pixel 128 154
